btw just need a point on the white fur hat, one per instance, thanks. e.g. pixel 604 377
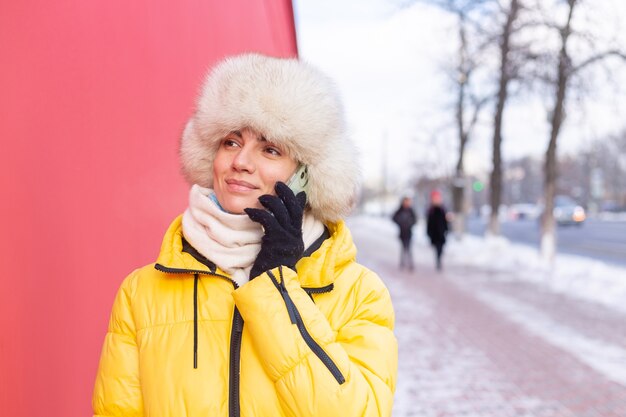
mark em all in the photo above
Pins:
pixel 291 104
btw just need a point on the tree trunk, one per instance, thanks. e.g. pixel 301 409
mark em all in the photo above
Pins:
pixel 458 197
pixel 458 184
pixel 495 180
pixel 548 224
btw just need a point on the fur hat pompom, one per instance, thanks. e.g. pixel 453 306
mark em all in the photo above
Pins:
pixel 291 104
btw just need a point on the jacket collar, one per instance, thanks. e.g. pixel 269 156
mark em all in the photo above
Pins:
pixel 315 271
pixel 173 258
pixel 320 268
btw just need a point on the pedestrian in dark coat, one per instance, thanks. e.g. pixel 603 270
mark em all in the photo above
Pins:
pixel 405 218
pixel 437 225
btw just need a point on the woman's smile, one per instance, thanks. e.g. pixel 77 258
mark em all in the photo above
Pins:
pixel 239 186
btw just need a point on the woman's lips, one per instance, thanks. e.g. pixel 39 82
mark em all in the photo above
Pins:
pixel 241 186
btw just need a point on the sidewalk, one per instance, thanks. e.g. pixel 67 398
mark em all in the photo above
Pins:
pixel 482 343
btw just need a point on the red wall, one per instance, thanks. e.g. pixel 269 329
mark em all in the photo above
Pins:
pixel 93 97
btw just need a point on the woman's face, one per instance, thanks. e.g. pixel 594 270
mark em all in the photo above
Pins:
pixel 247 166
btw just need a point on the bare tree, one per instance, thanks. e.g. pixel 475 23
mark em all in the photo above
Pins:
pixel 486 35
pixel 566 69
pixel 506 74
pixel 468 104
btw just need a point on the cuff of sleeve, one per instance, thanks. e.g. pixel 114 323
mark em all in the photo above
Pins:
pixel 267 319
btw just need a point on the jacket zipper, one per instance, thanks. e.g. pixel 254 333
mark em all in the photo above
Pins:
pixel 195 321
pixel 319 290
pixel 169 270
pixel 235 341
pixel 235 357
pixel 296 318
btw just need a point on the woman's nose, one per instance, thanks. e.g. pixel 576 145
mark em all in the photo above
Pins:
pixel 243 161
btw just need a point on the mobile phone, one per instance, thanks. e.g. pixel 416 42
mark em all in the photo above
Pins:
pixel 299 180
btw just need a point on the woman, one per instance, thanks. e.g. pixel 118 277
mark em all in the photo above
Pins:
pixel 437 225
pixel 405 218
pixel 255 305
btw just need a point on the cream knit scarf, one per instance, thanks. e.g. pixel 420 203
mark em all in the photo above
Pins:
pixel 232 241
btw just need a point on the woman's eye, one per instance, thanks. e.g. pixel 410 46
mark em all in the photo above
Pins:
pixel 229 143
pixel 272 151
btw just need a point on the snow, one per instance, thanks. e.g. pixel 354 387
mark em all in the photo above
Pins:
pixel 441 374
pixel 435 379
pixel 605 358
pixel 576 276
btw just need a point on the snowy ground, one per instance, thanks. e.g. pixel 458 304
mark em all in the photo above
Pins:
pixel 500 332
pixel 573 275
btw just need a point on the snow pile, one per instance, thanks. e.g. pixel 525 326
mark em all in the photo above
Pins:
pixel 574 275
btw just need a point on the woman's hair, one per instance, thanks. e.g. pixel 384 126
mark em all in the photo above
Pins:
pixel 292 105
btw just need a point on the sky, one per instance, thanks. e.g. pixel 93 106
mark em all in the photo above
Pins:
pixel 389 66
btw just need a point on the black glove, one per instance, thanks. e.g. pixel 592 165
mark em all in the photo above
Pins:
pixel 282 221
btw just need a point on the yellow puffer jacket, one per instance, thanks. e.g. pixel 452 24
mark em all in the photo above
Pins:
pixel 183 341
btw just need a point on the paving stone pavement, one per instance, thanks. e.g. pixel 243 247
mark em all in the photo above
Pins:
pixel 473 342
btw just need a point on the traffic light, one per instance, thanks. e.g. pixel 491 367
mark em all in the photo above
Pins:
pixel 478 186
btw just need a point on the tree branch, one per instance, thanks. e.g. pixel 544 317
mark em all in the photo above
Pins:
pixel 598 57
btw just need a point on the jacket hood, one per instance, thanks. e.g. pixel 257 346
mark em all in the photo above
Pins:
pixel 315 271
pixel 291 104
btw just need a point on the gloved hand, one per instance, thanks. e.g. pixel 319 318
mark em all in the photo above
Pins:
pixel 282 221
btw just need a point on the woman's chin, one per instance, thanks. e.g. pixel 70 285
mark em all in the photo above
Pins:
pixel 237 205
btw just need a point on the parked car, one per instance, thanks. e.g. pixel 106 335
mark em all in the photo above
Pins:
pixel 523 211
pixel 568 212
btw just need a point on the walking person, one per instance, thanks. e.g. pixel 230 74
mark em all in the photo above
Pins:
pixel 405 218
pixel 437 225
pixel 256 305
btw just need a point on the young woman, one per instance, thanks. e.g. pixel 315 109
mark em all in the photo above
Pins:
pixel 256 305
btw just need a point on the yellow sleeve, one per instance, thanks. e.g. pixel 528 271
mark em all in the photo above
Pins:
pixel 117 390
pixel 355 372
